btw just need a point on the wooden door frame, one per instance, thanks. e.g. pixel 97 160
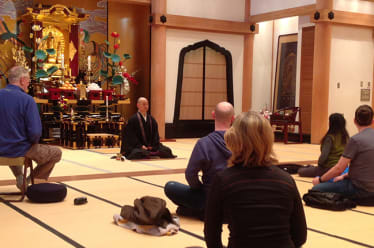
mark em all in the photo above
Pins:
pixel 188 128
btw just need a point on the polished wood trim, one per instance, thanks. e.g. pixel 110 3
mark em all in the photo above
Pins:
pixel 137 2
pixel 7 182
pixel 103 176
pixel 247 72
pixel 158 77
pixel 345 17
pixel 321 81
pixel 324 4
pixel 306 77
pixel 247 10
pixel 159 6
pixel 298 11
pixel 158 69
pixel 372 82
pixel 204 24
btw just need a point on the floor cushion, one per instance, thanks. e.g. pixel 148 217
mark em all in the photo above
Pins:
pixel 46 192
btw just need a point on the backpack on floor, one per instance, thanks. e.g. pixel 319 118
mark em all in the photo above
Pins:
pixel 328 200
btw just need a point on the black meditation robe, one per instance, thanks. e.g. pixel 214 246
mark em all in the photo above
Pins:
pixel 134 139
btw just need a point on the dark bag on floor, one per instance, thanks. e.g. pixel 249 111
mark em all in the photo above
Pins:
pixel 364 198
pixel 328 200
pixel 291 168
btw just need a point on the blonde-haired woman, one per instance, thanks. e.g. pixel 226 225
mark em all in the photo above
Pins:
pixel 260 202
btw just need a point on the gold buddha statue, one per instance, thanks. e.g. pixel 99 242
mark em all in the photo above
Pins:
pixel 51 45
pixel 55 41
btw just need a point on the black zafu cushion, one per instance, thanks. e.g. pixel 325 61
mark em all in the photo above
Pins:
pixel 46 192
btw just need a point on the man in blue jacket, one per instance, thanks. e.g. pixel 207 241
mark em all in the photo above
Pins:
pixel 209 155
pixel 20 127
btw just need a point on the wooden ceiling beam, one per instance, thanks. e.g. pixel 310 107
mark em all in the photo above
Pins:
pixel 298 11
pixel 137 2
pixel 204 24
pixel 344 17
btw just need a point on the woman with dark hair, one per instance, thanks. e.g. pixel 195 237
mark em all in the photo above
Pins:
pixel 332 147
pixel 259 201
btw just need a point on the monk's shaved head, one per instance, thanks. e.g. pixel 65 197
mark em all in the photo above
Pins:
pixel 142 105
pixel 142 99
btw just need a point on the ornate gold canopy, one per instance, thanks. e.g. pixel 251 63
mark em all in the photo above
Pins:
pixel 57 15
pixel 60 27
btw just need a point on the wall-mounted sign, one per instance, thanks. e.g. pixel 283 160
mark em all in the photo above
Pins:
pixel 365 95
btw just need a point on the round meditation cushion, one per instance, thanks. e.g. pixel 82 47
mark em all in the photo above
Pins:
pixel 46 192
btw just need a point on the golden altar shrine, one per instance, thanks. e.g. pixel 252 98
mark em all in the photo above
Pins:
pixel 56 27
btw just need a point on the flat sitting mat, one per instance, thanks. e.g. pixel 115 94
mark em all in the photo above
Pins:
pixel 90 225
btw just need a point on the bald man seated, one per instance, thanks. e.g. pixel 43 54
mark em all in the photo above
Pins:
pixel 210 156
pixel 141 139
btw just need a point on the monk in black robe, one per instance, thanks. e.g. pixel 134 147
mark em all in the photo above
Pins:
pixel 141 139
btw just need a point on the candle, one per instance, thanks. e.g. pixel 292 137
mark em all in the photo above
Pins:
pixel 89 63
pixel 107 112
pixel 62 62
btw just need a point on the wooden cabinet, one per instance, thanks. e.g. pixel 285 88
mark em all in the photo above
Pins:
pixel 82 124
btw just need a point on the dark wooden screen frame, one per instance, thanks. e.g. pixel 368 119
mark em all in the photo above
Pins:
pixel 197 128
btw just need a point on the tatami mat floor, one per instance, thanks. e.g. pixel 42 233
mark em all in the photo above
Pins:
pixel 109 184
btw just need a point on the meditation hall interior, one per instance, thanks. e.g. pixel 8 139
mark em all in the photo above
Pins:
pixel 93 69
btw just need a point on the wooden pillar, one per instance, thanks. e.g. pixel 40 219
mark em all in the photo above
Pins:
pixel 372 82
pixel 321 75
pixel 158 68
pixel 247 63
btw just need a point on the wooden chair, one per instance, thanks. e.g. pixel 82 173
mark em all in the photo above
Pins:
pixel 18 161
pixel 287 117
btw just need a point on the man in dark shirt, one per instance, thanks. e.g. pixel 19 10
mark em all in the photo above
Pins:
pixel 20 127
pixel 141 139
pixel 209 155
pixel 359 155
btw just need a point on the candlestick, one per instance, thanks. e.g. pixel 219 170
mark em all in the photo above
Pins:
pixel 107 105
pixel 62 62
pixel 72 113
pixel 89 63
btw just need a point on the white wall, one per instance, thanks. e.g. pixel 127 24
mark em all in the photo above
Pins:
pixel 358 6
pixel 351 63
pixel 265 6
pixel 213 9
pixel 178 39
pixel 261 77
